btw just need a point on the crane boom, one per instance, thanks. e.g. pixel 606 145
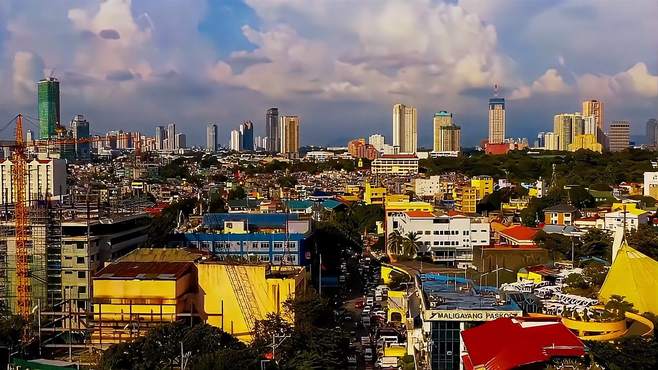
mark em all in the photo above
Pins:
pixel 21 214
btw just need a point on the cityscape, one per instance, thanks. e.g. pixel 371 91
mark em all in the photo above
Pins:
pixel 293 200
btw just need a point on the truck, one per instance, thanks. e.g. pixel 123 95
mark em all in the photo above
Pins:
pixel 389 362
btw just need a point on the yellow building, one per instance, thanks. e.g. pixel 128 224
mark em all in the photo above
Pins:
pixel 374 195
pixel 396 198
pixel 586 141
pixel 466 198
pixel 483 186
pixel 130 297
pixel 514 205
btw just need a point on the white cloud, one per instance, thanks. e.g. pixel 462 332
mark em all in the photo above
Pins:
pixel 637 81
pixel 383 50
pixel 550 82
pixel 27 69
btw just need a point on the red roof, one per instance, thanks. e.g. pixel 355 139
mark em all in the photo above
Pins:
pixel 144 270
pixel 453 213
pixel 393 156
pixel 420 214
pixel 520 232
pixel 508 343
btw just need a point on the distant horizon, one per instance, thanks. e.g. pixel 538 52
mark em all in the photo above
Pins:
pixel 134 65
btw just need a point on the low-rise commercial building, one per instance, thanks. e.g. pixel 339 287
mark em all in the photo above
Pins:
pixel 395 164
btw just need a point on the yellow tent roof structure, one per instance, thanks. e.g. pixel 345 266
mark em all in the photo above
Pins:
pixel 635 276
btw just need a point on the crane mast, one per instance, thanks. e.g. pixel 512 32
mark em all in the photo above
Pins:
pixel 21 215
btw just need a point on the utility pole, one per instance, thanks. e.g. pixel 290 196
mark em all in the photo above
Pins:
pixel 320 277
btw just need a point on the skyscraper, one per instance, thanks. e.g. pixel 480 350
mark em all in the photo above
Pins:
pixel 652 132
pixel 594 108
pixel 272 129
pixel 247 132
pixel 236 141
pixel 171 136
pixel 181 141
pixel 211 137
pixel 79 126
pixel 405 128
pixel 447 135
pixel 48 101
pixel 496 120
pixel 566 127
pixel 289 132
pixel 619 135
pixel 377 141
pixel 160 136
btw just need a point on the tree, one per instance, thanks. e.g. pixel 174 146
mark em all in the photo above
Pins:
pixel 618 306
pixel 630 352
pixel 228 359
pixel 558 244
pixel 645 240
pixel 287 181
pixel 237 192
pixel 576 281
pixel 395 240
pixel 595 243
pixel 410 244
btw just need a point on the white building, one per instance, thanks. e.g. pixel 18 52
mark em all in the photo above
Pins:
pixel 448 239
pixel 236 141
pixel 427 187
pixel 45 178
pixel 211 137
pixel 377 141
pixel 405 128
pixel 392 164
pixel 631 217
pixel 319 155
pixel 650 181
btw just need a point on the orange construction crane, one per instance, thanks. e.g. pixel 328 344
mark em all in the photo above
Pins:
pixel 19 176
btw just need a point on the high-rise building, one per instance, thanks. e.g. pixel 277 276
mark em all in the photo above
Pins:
pixel 160 136
pixel 289 132
pixel 247 132
pixel 80 129
pixel 594 108
pixel 211 137
pixel 496 120
pixel 619 135
pixel 566 126
pixel 49 110
pixel 405 128
pixel 652 132
pixel 29 136
pixel 171 136
pixel 377 141
pixel 181 141
pixel 272 130
pixel 550 141
pixel 447 135
pixel 236 141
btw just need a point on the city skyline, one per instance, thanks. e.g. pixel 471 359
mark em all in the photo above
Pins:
pixel 241 67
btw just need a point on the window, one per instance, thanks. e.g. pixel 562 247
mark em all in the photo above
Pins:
pixel 292 245
pixel 427 232
pixel 265 245
pixel 80 245
pixel 82 289
pixel 278 245
pixel 276 258
pixel 264 258
pixel 82 274
pixel 80 260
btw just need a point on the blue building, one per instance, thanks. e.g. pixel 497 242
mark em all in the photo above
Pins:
pixel 275 238
pixel 247 132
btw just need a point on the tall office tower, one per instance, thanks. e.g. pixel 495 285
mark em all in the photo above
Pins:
pixel 211 137
pixel 272 130
pixel 48 101
pixel 29 136
pixel 79 126
pixel 591 128
pixel 377 141
pixel 289 132
pixel 566 126
pixel 236 141
pixel 551 141
pixel 181 141
pixel 247 132
pixel 496 119
pixel 541 140
pixel 160 136
pixel 171 136
pixel 447 135
pixel 405 128
pixel 619 135
pixel 652 132
pixel 594 108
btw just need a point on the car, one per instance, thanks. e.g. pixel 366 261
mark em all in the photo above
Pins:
pixel 359 304
pixel 368 354
pixel 380 313
pixel 347 318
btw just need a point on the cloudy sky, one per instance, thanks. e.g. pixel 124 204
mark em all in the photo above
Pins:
pixel 339 64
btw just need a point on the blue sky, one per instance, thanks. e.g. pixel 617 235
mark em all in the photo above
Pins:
pixel 340 65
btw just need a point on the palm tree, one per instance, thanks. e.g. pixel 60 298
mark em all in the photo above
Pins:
pixel 411 244
pixel 395 241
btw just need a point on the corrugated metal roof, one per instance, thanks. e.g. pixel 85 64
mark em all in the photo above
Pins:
pixel 144 270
